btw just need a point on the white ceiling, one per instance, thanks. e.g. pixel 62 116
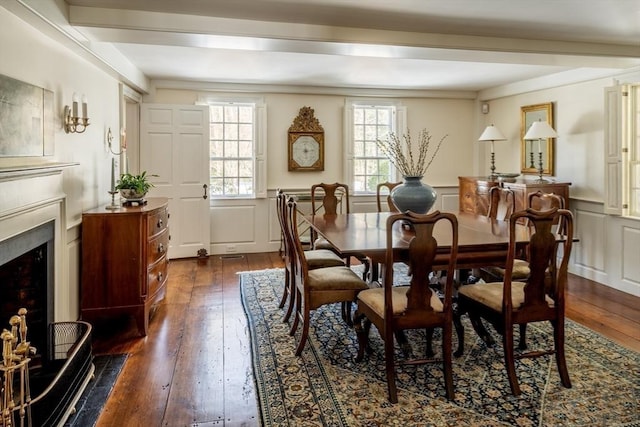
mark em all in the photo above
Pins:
pixel 453 45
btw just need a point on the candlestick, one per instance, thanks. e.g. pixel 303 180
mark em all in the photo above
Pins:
pixel 84 107
pixel 113 174
pixel 75 105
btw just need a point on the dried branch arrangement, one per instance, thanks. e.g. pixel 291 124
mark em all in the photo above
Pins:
pixel 400 152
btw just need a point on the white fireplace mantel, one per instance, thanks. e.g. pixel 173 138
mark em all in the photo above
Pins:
pixel 29 197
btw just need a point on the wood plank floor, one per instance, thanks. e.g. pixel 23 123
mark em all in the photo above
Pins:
pixel 194 367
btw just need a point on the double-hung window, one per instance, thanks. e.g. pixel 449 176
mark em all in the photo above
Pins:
pixel 366 123
pixel 236 152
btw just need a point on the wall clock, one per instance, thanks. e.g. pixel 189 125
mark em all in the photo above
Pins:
pixel 306 142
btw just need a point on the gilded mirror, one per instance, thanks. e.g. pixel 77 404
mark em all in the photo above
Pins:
pixel 530 148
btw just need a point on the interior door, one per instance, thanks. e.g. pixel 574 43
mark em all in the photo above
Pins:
pixel 174 146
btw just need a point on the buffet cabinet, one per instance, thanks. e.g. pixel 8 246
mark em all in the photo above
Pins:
pixel 474 192
pixel 124 261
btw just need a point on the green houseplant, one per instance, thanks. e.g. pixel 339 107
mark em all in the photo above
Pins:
pixel 134 187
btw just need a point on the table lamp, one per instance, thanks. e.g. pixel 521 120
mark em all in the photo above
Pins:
pixel 492 133
pixel 540 130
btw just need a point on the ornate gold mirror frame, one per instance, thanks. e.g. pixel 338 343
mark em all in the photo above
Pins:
pixel 306 142
pixel 529 149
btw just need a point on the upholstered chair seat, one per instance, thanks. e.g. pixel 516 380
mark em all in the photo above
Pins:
pixel 374 298
pixel 490 295
pixel 320 258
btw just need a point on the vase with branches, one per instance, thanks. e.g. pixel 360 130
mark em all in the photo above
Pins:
pixel 412 194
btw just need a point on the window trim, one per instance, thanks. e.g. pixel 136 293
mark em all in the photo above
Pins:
pixel 350 103
pixel 259 148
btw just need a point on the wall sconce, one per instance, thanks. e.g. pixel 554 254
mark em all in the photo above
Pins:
pixel 73 123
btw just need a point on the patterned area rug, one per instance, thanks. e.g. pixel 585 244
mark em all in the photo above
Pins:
pixel 326 387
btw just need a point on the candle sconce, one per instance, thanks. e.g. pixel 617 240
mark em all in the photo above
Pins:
pixel 110 142
pixel 74 123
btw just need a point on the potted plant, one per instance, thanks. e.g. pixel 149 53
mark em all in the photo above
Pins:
pixel 134 187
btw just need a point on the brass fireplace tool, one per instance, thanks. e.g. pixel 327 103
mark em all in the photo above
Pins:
pixel 15 359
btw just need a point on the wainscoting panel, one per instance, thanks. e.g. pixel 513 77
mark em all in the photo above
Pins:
pixel 589 251
pixel 630 256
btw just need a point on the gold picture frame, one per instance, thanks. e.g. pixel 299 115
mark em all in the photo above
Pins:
pixel 529 148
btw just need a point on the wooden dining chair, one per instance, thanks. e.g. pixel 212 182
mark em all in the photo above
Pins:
pixel 392 309
pixel 315 258
pixel 316 287
pixel 510 302
pixel 334 196
pixel 386 194
pixel 502 202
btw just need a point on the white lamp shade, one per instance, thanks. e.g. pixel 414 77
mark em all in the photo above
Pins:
pixel 492 133
pixel 540 130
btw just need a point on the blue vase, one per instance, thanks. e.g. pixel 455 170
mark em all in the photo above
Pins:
pixel 413 195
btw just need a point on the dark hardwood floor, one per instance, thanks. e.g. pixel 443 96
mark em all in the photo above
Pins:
pixel 194 367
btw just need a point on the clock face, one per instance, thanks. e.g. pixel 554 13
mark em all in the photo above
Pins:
pixel 305 151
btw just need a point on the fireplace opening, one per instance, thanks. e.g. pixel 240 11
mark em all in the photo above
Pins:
pixel 26 280
pixel 62 364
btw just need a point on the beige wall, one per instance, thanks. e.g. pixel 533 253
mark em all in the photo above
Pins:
pixel 454 117
pixel 579 122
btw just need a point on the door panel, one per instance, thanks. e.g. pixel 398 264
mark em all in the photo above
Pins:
pixel 175 146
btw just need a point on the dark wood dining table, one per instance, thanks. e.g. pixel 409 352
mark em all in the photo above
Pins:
pixel 481 241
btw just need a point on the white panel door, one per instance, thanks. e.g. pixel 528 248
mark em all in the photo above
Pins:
pixel 174 145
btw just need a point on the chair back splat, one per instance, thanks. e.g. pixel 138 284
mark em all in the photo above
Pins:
pixel 502 202
pixel 539 297
pixel 393 309
pixel 379 196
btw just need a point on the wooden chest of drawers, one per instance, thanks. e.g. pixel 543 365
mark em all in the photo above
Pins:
pixel 474 192
pixel 124 261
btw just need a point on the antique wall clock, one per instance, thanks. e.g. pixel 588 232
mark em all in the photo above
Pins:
pixel 306 142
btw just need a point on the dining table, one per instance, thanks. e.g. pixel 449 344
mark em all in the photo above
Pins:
pixel 482 241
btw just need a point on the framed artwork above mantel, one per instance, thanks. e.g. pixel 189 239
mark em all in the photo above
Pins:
pixel 26 119
pixel 306 142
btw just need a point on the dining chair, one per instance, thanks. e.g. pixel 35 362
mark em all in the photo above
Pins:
pixel 510 302
pixel 392 309
pixel 314 288
pixel 315 258
pixel 334 196
pixel 502 202
pixel 390 207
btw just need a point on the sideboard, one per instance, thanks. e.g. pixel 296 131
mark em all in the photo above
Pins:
pixel 124 261
pixel 474 192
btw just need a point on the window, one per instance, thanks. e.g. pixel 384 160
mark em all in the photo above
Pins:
pixel 236 158
pixel 367 123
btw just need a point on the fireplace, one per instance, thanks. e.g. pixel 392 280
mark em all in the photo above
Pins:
pixel 33 239
pixel 26 281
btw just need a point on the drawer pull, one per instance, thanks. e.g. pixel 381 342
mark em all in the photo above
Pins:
pixel 160 277
pixel 160 223
pixel 161 248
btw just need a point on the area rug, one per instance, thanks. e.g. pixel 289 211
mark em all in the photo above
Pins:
pixel 326 387
pixel 94 397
